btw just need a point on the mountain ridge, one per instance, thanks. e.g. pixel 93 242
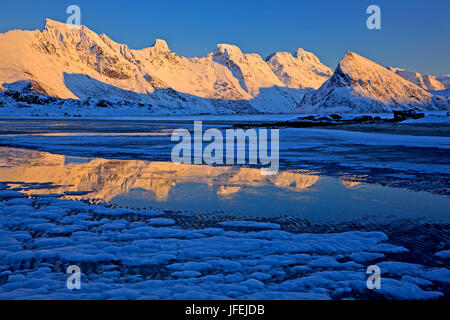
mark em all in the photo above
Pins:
pixel 46 58
pixel 81 64
pixel 361 85
pixel 425 81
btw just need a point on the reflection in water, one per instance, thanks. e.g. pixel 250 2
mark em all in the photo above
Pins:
pixel 105 179
pixel 350 184
pixel 202 188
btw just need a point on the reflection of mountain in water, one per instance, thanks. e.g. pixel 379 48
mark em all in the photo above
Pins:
pixel 350 184
pixel 106 179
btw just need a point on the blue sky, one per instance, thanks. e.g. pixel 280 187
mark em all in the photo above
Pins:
pixel 415 33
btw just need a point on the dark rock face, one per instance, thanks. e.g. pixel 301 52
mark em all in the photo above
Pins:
pixel 335 117
pixel 104 104
pixel 408 114
pixel 334 120
pixel 362 119
pixel 30 98
pixel 114 74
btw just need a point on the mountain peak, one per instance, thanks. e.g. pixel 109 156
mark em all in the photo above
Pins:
pixel 53 24
pixel 304 55
pixel 302 69
pixel 349 56
pixel 360 84
pixel 230 49
pixel 425 81
pixel 50 22
pixel 353 63
pixel 161 45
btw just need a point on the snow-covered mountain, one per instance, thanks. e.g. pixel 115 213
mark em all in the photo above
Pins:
pixel 91 71
pixel 444 79
pixel 299 70
pixel 361 85
pixel 80 64
pixel 424 81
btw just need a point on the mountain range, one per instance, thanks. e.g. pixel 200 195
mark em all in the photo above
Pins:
pixel 361 85
pixel 80 69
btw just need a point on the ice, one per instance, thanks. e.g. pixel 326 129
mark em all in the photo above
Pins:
pixel 10 194
pixel 438 275
pixel 395 289
pixel 400 268
pixel 418 281
pixel 161 222
pixel 250 224
pixel 186 274
pixel 445 254
pixel 155 258
pixel 388 248
pixel 365 256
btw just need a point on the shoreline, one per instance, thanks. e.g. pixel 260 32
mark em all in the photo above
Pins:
pixel 410 129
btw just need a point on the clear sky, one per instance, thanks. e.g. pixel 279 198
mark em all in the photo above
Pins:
pixel 415 34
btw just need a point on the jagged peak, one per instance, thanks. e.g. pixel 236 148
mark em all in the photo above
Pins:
pixel 406 71
pixel 161 46
pixel 356 66
pixel 352 58
pixel 277 54
pixel 227 48
pixel 299 54
pixel 56 25
pixel 49 23
pixel 304 55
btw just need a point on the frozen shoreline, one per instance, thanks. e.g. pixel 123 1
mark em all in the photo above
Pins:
pixel 128 254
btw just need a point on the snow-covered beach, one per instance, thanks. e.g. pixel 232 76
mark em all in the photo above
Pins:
pixel 129 254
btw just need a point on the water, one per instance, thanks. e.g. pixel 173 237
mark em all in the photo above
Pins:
pixel 329 181
pixel 239 190
pixel 416 163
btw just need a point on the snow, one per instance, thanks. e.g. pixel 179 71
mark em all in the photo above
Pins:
pixel 299 70
pixel 80 64
pixel 426 82
pixel 177 263
pixel 10 194
pixel 443 93
pixel 445 254
pixel 93 75
pixel 432 117
pixel 444 79
pixel 361 85
pixel 395 289
pixel 250 224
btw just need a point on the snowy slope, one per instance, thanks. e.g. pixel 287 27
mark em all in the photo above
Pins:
pixel 299 70
pixel 424 81
pixel 250 69
pixel 80 64
pixel 361 85
pixel 444 79
pixel 85 67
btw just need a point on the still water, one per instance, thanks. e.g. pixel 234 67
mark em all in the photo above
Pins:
pixel 236 191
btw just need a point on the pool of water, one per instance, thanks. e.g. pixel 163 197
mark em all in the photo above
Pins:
pixel 240 191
